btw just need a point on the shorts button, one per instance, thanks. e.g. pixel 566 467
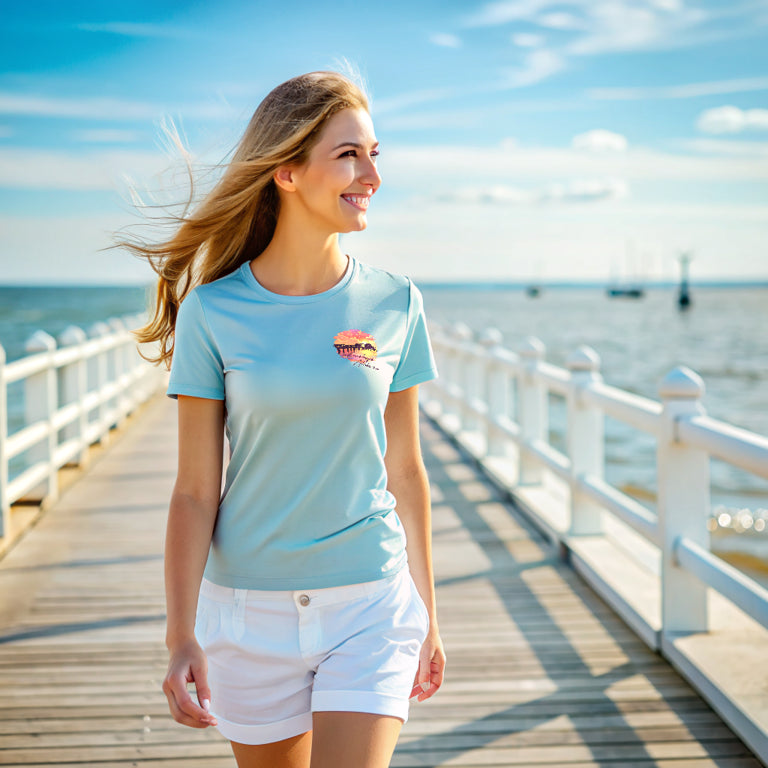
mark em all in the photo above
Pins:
pixel 304 600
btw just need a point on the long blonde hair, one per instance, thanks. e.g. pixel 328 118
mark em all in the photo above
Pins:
pixel 235 222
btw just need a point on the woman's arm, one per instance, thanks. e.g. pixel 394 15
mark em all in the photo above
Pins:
pixel 191 517
pixel 407 481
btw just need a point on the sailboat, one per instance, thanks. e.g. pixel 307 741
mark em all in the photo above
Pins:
pixel 625 288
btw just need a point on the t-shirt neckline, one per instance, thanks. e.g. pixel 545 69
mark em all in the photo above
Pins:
pixel 281 298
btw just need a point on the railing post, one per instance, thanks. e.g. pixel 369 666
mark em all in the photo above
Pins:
pixel 74 386
pixel 496 393
pixel 461 336
pixel 5 506
pixel 119 369
pixel 100 374
pixel 532 409
pixel 683 503
pixel 585 440
pixel 41 401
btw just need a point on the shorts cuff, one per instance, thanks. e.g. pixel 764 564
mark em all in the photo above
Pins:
pixel 360 701
pixel 266 733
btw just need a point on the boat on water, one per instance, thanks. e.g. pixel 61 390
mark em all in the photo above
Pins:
pixel 625 291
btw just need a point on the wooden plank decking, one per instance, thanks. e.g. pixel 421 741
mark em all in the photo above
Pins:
pixel 541 672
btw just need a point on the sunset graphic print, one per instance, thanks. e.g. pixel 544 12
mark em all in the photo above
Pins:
pixel 356 346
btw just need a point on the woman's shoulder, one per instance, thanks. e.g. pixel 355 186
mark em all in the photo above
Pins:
pixel 384 280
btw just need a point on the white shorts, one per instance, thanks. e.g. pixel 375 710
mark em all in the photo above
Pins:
pixel 274 657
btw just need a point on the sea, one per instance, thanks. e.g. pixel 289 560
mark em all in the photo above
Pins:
pixel 722 336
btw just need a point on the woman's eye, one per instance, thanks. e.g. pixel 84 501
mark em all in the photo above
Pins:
pixel 349 153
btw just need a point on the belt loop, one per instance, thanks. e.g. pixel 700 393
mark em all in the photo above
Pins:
pixel 238 612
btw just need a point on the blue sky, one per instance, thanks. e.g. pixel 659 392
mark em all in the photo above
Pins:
pixel 522 139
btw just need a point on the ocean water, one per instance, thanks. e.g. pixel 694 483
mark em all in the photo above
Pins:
pixel 722 337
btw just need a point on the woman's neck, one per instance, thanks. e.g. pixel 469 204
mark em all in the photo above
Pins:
pixel 298 263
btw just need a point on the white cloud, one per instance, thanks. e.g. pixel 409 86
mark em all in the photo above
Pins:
pixel 105 108
pixel 583 190
pixel 36 169
pixel 527 40
pixel 439 166
pixel 600 141
pixel 407 100
pixel 560 20
pixel 691 90
pixel 132 29
pixel 751 149
pixel 537 66
pixel 730 119
pixel 106 136
pixel 445 40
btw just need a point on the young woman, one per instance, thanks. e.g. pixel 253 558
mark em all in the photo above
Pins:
pixel 296 612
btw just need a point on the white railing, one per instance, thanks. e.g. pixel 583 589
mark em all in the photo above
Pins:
pixel 496 403
pixel 75 392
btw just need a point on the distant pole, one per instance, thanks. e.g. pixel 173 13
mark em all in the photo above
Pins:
pixel 684 297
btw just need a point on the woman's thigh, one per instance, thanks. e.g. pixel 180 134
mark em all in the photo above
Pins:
pixel 288 753
pixel 353 739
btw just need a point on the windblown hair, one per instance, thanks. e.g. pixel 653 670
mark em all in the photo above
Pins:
pixel 236 221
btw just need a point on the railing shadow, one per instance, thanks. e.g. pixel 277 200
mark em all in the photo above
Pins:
pixel 619 743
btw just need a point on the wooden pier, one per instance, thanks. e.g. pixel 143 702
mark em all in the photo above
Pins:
pixel 540 671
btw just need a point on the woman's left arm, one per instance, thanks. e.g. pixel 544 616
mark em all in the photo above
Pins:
pixel 407 481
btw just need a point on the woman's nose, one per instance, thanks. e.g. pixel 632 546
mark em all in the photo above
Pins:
pixel 370 174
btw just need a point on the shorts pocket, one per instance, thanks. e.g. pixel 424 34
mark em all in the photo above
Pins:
pixel 207 621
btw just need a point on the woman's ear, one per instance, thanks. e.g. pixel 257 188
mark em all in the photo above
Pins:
pixel 283 177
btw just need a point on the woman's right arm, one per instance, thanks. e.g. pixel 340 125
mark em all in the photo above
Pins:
pixel 191 517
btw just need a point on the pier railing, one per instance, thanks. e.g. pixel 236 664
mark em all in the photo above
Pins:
pixel 654 567
pixel 75 390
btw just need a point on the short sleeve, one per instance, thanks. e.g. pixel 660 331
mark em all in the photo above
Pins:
pixel 417 363
pixel 196 366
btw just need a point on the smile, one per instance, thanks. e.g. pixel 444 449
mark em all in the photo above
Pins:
pixel 358 201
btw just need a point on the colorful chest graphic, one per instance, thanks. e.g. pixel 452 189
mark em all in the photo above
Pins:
pixel 356 346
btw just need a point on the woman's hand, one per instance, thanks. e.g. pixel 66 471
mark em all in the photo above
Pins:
pixel 189 665
pixel 429 676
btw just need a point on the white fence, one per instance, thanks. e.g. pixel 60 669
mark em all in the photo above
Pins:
pixel 74 392
pixel 654 568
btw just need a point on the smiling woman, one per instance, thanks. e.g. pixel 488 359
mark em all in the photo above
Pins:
pixel 293 604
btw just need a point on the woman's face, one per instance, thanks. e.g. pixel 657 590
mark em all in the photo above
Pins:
pixel 334 186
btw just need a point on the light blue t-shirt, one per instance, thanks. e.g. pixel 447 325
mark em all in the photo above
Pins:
pixel 305 380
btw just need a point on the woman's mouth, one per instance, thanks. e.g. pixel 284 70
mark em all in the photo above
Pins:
pixel 358 201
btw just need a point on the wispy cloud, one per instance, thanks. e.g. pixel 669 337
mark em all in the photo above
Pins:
pixel 537 65
pixel 407 100
pixel 527 40
pixel 36 169
pixel 600 141
pixel 732 120
pixel 577 191
pixel 445 40
pixel 106 136
pixel 133 29
pixel 727 147
pixel 687 91
pixel 589 28
pixel 104 108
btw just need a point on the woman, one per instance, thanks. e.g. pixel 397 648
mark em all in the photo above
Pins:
pixel 294 608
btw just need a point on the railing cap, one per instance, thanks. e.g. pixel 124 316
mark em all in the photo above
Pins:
pixel 98 329
pixel 491 337
pixel 40 341
pixel 71 336
pixel 532 348
pixel 583 358
pixel 461 331
pixel 683 383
